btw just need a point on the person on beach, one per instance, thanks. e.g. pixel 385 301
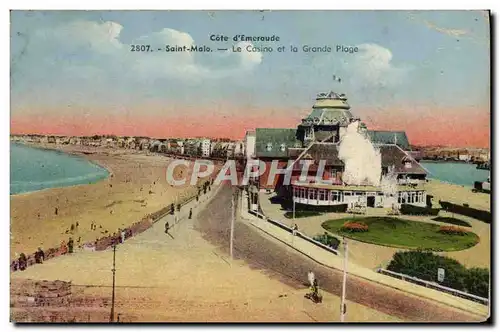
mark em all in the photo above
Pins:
pixel 22 262
pixel 190 213
pixel 39 256
pixel 70 245
pixel 295 229
pixel 167 227
pixel 63 248
pixel 122 233
pixel 14 266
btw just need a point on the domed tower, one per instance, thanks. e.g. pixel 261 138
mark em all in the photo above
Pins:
pixel 328 120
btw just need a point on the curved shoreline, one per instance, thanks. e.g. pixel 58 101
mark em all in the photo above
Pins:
pixel 72 154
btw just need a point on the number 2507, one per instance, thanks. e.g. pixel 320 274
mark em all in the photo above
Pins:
pixel 140 48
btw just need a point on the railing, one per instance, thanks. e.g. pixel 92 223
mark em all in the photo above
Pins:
pixel 433 285
pixel 290 230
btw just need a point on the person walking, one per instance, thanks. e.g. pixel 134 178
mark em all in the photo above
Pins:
pixel 122 233
pixel 167 227
pixel 39 256
pixel 190 213
pixel 70 245
pixel 23 262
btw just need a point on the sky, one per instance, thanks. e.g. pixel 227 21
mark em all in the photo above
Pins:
pixel 424 72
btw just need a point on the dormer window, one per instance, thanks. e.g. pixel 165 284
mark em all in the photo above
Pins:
pixel 269 146
pixel 407 162
pixel 309 134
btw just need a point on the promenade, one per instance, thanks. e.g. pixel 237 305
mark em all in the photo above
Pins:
pixel 331 260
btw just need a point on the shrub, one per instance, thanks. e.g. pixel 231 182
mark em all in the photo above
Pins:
pixel 466 211
pixel 352 227
pixel 302 214
pixel 452 230
pixel 328 240
pixel 409 209
pixel 477 281
pixel 424 265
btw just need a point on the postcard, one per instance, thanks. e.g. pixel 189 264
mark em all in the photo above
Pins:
pixel 258 166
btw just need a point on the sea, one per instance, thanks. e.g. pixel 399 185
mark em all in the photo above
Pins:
pixel 33 169
pixel 463 174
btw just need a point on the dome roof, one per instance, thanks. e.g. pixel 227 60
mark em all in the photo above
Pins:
pixel 331 103
pixel 331 100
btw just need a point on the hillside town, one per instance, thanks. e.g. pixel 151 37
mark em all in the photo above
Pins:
pixel 439 153
pixel 222 148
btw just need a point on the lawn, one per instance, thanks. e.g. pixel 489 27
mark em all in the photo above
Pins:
pixel 454 221
pixel 402 233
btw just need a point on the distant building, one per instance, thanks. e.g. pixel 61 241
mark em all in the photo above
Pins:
pixel 249 147
pixel 205 147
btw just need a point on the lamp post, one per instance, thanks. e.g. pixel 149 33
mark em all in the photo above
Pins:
pixel 343 307
pixel 111 317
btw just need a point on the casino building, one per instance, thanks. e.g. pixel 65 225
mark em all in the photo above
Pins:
pixel 317 138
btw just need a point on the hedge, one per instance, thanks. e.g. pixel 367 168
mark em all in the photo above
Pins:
pixel 466 211
pixel 409 209
pixel 424 265
pixel 328 240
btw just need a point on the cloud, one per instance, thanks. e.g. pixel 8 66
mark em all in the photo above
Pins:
pixel 455 33
pixel 372 66
pixel 92 52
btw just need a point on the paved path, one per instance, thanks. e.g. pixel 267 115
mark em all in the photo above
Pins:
pixel 263 252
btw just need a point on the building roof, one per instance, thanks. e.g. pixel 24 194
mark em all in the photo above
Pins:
pixel 393 155
pixel 328 152
pixel 389 137
pixel 328 116
pixel 274 142
pixel 331 103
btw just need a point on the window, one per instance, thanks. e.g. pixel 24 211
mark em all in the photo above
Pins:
pixel 302 193
pixel 313 194
pixel 309 134
pixel 359 193
pixel 347 193
pixel 322 195
pixel 335 196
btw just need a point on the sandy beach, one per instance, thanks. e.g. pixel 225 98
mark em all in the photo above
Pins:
pixel 136 186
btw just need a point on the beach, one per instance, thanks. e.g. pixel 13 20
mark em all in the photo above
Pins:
pixel 135 187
